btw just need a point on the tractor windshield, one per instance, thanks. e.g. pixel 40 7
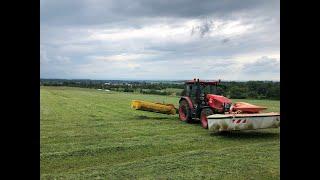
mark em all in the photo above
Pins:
pixel 209 89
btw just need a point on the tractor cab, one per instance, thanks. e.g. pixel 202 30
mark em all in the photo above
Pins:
pixel 203 88
pixel 198 90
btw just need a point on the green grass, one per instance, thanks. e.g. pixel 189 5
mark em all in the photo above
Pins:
pixel 174 90
pixel 90 134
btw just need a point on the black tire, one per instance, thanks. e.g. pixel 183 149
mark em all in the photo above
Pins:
pixel 185 111
pixel 203 117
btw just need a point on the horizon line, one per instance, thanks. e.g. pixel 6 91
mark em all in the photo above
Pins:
pixel 145 79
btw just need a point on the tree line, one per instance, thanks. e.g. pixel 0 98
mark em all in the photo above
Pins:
pixel 231 89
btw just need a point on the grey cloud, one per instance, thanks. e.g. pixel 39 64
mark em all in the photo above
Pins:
pixel 86 12
pixel 225 40
pixel 203 29
pixel 263 65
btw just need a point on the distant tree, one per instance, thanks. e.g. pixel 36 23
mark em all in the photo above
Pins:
pixel 238 92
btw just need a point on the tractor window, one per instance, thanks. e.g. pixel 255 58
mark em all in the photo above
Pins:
pixel 188 90
pixel 209 89
pixel 192 91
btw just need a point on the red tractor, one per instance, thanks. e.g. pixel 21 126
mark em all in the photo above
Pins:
pixel 199 101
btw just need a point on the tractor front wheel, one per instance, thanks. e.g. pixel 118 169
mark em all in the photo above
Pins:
pixel 184 111
pixel 203 117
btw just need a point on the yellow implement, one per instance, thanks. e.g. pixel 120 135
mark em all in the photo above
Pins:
pixel 154 107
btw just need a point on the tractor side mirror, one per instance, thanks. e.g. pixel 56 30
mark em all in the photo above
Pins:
pixel 202 96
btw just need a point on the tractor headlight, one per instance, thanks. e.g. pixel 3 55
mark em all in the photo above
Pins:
pixel 227 106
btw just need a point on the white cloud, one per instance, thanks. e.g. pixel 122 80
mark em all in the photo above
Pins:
pixel 120 57
pixel 63 60
pixel 133 65
pixel 43 56
pixel 178 32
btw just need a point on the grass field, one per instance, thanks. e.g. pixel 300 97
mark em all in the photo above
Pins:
pixel 90 134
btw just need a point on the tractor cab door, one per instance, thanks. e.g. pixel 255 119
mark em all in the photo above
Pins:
pixel 191 92
pixel 194 93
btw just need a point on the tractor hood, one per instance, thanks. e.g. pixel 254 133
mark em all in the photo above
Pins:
pixel 218 102
pixel 221 99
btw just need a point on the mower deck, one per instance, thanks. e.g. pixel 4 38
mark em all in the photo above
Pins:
pixel 229 122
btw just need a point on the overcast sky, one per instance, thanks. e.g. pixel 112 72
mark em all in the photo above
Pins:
pixel 162 39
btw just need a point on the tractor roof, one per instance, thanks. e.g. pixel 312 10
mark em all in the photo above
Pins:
pixel 203 82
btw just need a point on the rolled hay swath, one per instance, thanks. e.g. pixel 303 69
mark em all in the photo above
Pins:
pixel 153 107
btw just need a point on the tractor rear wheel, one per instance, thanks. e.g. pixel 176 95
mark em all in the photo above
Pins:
pixel 203 117
pixel 184 111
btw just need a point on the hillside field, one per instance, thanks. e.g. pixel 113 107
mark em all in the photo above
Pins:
pixel 91 134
